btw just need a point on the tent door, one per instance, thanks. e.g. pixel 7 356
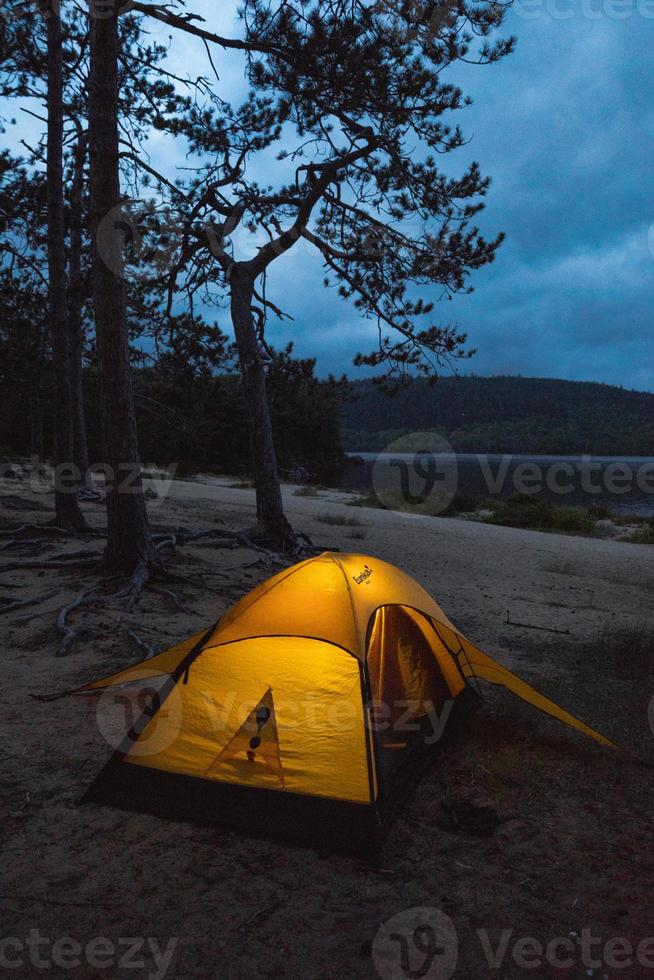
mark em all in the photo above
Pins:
pixel 407 687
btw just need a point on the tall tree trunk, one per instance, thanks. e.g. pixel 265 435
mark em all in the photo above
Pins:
pixel 37 440
pixel 75 302
pixel 67 510
pixel 129 541
pixel 272 522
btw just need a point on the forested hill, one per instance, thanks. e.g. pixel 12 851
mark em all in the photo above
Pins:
pixel 504 414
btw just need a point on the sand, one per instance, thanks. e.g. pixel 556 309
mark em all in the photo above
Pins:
pixel 573 848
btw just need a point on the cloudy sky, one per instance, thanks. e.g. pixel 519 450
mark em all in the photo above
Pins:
pixel 565 126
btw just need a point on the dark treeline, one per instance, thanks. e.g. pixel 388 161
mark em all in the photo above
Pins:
pixel 195 420
pixel 505 414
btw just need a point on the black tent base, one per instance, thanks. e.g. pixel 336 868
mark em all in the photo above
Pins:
pixel 313 821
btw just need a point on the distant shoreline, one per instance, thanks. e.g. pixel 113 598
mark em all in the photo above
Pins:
pixel 623 485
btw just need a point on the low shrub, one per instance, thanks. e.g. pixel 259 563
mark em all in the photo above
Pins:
pixel 522 510
pixel 338 520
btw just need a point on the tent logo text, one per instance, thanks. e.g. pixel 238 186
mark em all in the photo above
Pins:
pixel 365 574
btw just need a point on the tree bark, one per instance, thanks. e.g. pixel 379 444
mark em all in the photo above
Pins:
pixel 67 512
pixel 272 522
pixel 37 440
pixel 75 303
pixel 129 540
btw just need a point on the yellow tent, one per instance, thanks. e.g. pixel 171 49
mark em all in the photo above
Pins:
pixel 304 709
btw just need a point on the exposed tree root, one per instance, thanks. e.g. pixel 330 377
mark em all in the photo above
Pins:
pixel 37 531
pixel 251 539
pixel 148 574
pixel 47 530
pixel 72 565
pixel 142 644
pixel 93 496
pixel 7 605
pixel 175 598
pixel 292 546
pixel 67 632
pixel 135 586
pixel 181 537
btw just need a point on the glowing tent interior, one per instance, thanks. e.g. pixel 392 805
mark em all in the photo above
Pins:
pixel 306 710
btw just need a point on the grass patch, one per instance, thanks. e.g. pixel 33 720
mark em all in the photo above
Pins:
pixel 305 492
pixel 466 503
pixel 645 533
pixel 241 485
pixel 461 503
pixel 366 500
pixel 338 520
pixel 600 512
pixel 157 475
pixel 519 510
pixel 522 510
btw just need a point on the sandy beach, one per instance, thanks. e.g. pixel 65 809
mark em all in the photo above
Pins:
pixel 573 847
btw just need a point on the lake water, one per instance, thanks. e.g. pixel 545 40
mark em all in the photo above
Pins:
pixel 625 484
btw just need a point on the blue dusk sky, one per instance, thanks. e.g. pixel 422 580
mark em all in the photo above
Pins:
pixel 565 128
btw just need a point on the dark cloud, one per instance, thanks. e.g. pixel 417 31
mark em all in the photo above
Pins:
pixel 565 127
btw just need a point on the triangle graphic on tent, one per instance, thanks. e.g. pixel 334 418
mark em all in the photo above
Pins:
pixel 256 740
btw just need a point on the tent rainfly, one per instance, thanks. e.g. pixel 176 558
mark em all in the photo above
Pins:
pixel 307 710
